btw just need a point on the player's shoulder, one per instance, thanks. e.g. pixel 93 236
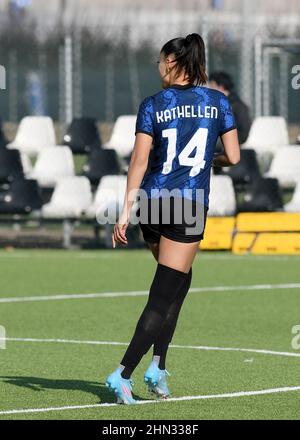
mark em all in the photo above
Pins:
pixel 151 101
pixel 147 102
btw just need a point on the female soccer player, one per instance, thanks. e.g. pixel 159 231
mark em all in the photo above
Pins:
pixel 183 122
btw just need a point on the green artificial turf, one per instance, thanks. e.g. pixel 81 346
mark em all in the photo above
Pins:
pixel 58 374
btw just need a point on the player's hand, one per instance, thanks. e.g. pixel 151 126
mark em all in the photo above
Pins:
pixel 119 234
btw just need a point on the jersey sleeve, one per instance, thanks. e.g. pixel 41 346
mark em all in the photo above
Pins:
pixel 144 121
pixel 227 119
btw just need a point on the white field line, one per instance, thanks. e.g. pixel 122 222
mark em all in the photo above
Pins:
pixel 145 292
pixel 193 347
pixel 143 402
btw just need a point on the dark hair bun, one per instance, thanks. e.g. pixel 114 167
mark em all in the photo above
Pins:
pixel 190 38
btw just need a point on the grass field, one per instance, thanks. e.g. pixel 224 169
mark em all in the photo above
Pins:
pixel 60 349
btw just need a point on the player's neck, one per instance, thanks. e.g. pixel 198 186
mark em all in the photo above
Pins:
pixel 179 82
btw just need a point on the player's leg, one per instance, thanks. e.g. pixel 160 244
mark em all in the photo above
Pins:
pixel 164 338
pixel 165 286
pixel 170 276
pixel 156 374
pixel 169 250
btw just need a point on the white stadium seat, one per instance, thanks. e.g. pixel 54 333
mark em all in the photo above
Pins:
pixel 34 134
pixel 109 196
pixel 123 135
pixel 72 196
pixel 267 134
pixel 294 204
pixel 52 164
pixel 285 166
pixel 222 196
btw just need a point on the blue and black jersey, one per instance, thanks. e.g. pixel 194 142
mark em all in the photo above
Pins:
pixel 185 122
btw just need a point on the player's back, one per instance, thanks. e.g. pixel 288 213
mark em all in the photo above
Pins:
pixel 185 122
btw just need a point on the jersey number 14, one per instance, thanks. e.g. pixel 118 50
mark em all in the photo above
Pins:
pixel 198 142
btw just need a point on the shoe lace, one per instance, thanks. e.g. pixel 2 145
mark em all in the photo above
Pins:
pixel 167 373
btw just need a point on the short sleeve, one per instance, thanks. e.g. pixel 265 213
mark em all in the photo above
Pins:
pixel 144 121
pixel 227 120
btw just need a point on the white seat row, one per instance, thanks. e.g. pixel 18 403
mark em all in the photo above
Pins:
pixel 35 133
pixel 56 162
pixel 36 136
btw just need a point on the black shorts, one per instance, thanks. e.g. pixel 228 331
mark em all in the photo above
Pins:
pixel 174 226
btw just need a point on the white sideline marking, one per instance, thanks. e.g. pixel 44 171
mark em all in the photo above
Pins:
pixel 194 347
pixel 145 292
pixel 172 399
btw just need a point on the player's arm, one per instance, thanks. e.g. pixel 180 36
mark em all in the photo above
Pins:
pixel 231 155
pixel 136 171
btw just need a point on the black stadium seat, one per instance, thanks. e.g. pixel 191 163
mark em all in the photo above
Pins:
pixel 22 197
pixel 82 136
pixel 10 165
pixel 263 195
pixel 101 163
pixel 247 170
pixel 3 141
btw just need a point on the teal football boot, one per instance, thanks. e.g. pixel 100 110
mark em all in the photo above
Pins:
pixel 121 387
pixel 156 380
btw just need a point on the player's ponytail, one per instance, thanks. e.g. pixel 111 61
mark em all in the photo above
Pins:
pixel 189 55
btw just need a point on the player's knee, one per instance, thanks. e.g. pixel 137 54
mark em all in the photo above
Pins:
pixel 166 285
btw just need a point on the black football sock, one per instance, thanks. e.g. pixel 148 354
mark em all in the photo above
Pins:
pixel 165 336
pixel 166 285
